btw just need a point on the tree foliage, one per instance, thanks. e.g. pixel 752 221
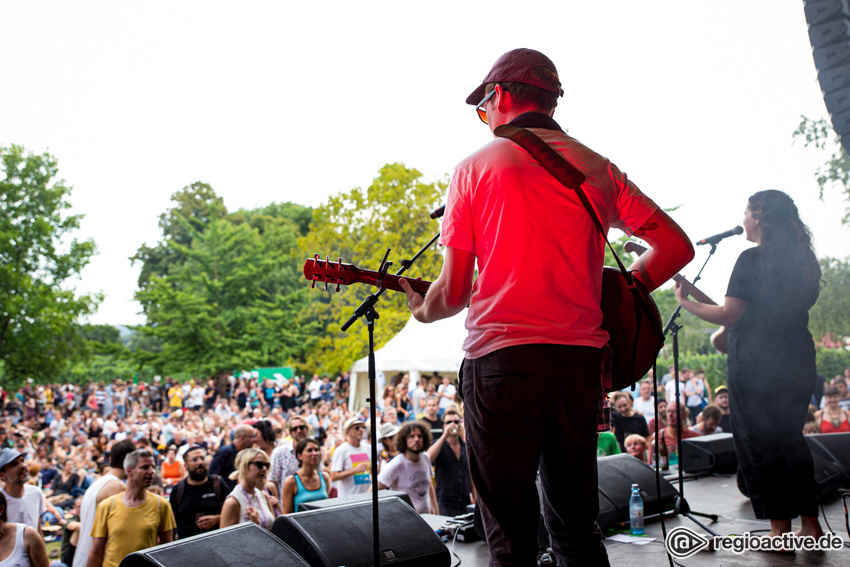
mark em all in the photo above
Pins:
pixel 359 226
pixel 221 293
pixel 196 205
pixel 38 256
pixel 830 316
pixel 836 171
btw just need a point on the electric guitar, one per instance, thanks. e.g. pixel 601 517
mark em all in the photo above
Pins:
pixel 330 272
pixel 720 336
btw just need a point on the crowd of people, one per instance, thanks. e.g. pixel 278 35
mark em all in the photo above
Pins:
pixel 83 463
pixel 633 419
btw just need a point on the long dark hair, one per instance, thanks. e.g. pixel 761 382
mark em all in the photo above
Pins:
pixel 786 244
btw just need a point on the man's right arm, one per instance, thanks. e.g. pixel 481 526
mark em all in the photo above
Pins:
pixel 98 547
pixel 670 250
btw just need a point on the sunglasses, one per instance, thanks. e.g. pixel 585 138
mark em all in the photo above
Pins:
pixel 260 464
pixel 482 114
pixel 298 428
pixel 451 421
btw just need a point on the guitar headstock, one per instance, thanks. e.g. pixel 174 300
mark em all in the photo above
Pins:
pixel 328 271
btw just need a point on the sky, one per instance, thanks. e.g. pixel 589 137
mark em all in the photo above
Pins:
pixel 274 102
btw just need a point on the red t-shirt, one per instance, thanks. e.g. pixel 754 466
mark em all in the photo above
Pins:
pixel 539 255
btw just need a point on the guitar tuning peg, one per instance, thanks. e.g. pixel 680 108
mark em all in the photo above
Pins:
pixel 313 285
pixel 326 285
pixel 328 260
pixel 337 284
pixel 339 264
pixel 316 260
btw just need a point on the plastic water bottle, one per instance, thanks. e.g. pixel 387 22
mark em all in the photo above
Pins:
pixel 636 511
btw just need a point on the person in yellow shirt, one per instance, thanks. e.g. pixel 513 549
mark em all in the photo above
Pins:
pixel 175 397
pixel 131 520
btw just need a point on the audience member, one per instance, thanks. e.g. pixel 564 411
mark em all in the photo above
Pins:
pixel 308 483
pixel 451 467
pixel 24 544
pixel 350 464
pixel 197 499
pixel 645 403
pixel 131 520
pixel 833 418
pixel 708 422
pixel 626 421
pixel 410 471
pixel 248 501
pixel 25 503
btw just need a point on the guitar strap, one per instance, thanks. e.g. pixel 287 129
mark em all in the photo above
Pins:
pixel 565 172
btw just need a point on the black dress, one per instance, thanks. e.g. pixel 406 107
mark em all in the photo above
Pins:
pixel 771 373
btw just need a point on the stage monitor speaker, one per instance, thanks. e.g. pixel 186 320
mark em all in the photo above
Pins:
pixel 711 453
pixel 831 455
pixel 242 544
pixel 829 35
pixel 617 473
pixel 353 499
pixel 342 535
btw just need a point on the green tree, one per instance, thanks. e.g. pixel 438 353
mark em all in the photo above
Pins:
pixel 213 314
pixel 836 171
pixel 830 316
pixel 38 257
pixel 195 206
pixel 360 226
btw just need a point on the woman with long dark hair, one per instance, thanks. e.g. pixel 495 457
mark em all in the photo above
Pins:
pixel 771 360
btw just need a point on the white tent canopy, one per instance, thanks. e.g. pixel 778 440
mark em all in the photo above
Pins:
pixel 418 347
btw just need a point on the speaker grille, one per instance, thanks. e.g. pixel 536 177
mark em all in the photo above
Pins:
pixel 237 546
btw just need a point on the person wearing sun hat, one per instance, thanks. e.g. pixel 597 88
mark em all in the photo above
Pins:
pixel 386 436
pixel 539 350
pixel 350 471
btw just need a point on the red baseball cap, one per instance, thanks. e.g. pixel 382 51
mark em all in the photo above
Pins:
pixel 516 66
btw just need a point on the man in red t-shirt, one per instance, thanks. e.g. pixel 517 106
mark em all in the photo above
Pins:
pixel 535 340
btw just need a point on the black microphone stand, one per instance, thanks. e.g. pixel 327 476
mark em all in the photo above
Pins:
pixel 672 327
pixel 368 311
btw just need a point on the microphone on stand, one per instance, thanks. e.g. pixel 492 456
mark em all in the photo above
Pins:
pixel 718 237
pixel 440 211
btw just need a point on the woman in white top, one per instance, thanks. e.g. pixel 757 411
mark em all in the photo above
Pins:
pixel 20 545
pixel 249 502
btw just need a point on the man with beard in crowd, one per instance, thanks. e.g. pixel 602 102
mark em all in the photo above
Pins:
pixel 410 470
pixel 721 400
pixel 131 520
pixel 196 500
pixel 24 502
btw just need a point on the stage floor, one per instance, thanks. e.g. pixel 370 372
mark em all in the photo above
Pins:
pixel 711 495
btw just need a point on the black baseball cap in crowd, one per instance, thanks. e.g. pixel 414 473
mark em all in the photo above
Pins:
pixel 516 66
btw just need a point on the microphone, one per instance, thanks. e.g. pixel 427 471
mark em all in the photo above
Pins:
pixel 718 237
pixel 439 211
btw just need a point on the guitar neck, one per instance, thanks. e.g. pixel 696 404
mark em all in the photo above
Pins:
pixel 337 273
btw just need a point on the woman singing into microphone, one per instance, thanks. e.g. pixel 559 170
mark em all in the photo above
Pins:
pixel 771 360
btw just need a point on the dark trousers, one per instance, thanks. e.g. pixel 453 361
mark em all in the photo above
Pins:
pixel 530 408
